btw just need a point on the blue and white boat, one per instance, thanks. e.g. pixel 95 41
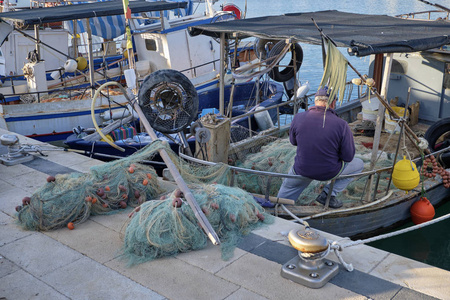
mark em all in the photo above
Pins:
pixel 42 106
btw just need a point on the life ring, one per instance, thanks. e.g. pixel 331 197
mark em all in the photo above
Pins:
pixel 169 100
pixel 438 137
pixel 288 72
pixel 233 8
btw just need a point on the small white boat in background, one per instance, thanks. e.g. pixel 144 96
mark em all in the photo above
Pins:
pixel 41 104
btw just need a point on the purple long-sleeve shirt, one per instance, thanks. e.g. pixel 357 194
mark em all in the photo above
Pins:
pixel 321 150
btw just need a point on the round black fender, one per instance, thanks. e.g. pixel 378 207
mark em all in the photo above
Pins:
pixel 438 137
pixel 169 100
pixel 288 72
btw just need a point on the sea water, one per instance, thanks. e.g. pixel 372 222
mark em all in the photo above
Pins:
pixel 431 244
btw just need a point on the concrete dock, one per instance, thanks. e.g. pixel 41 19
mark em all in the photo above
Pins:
pixel 85 263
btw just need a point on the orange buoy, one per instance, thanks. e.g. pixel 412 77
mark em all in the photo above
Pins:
pixel 422 211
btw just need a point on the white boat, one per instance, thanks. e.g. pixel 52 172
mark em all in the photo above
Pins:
pixel 50 113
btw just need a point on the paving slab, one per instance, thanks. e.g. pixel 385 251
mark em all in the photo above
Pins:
pixel 245 294
pixel 91 239
pixel 414 275
pixel 39 254
pixel 22 285
pixel 209 258
pixel 176 279
pixel 9 231
pixel 7 267
pixel 11 197
pixel 87 279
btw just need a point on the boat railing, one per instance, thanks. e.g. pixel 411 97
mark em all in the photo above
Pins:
pixel 194 68
pixel 374 191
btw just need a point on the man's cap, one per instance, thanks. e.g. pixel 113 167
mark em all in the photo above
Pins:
pixel 322 92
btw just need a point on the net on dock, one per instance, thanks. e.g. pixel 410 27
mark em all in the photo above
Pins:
pixel 158 228
pixel 106 188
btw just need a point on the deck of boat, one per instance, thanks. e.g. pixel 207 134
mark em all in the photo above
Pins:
pixel 85 263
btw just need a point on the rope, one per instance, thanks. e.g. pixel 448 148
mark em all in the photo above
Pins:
pixel 391 234
pixel 423 143
pixel 337 247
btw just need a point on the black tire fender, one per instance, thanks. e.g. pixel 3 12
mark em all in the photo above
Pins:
pixel 288 72
pixel 435 131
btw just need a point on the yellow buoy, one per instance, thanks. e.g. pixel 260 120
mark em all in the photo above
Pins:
pixel 81 63
pixel 405 175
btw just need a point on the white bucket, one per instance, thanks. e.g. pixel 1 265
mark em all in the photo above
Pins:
pixel 370 115
pixel 371 104
pixel 130 78
pixel 263 119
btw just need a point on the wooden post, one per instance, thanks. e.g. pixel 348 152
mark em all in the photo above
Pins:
pixel 36 36
pixel 222 75
pixel 380 118
pixel 90 57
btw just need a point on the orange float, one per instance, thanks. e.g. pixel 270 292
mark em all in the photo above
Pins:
pixel 422 211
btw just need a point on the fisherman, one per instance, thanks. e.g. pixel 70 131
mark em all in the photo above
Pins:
pixel 325 150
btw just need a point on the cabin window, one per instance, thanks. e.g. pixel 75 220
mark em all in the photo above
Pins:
pixel 447 76
pixel 399 66
pixel 150 44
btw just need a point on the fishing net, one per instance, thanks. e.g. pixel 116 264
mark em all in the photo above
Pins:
pixel 276 155
pixel 74 197
pixel 160 228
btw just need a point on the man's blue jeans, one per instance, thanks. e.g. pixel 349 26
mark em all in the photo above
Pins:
pixel 293 187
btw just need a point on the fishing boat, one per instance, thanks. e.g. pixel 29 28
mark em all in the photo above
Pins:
pixel 397 47
pixel 41 106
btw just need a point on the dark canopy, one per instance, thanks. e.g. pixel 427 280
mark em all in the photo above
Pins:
pixel 82 11
pixel 363 34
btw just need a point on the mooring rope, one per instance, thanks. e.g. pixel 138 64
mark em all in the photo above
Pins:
pixel 336 246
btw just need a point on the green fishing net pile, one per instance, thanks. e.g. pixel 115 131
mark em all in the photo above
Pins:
pixel 106 188
pixel 278 157
pixel 159 228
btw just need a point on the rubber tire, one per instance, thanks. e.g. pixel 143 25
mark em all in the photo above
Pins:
pixel 435 131
pixel 288 72
pixel 168 75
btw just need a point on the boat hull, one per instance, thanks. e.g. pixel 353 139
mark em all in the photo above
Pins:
pixel 379 219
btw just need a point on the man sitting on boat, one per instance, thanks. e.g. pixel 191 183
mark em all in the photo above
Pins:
pixel 325 150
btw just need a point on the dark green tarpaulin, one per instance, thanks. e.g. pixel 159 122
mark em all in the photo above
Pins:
pixel 362 34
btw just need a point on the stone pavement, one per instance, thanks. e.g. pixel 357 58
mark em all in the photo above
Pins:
pixel 85 263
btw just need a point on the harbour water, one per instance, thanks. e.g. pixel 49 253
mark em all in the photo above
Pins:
pixel 431 244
